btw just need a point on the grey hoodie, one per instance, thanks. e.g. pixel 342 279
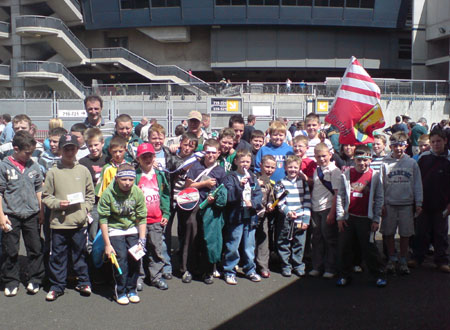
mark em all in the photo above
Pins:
pixel 18 190
pixel 402 181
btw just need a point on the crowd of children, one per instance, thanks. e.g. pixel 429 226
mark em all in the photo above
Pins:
pixel 296 206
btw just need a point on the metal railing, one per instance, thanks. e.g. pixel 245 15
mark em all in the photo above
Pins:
pixel 53 23
pixel 158 70
pixel 4 27
pixel 52 67
pixel 5 70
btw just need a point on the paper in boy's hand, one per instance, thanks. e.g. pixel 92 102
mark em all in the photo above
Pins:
pixel 75 198
pixel 136 251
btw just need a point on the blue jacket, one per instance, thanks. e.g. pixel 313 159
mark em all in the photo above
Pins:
pixel 279 153
pixel 234 211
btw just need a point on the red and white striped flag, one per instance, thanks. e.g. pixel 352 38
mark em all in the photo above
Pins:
pixel 356 110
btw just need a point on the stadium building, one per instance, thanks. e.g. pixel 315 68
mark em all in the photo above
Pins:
pixel 71 44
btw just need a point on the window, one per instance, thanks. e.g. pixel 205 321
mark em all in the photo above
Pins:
pixel 133 4
pixel 352 3
pixel 368 4
pixel 264 2
pixel 231 2
pixel 404 49
pixel 336 3
pixel 166 3
pixel 117 42
pixel 321 3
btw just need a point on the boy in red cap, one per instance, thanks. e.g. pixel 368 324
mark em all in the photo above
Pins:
pixel 155 187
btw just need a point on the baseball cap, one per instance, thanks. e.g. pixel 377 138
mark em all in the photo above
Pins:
pixel 68 139
pixel 195 115
pixel 145 148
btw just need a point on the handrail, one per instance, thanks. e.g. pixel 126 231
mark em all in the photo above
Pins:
pixel 5 70
pixel 53 23
pixel 52 67
pixel 4 27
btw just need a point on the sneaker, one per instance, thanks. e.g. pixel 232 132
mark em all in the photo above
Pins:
pixel 160 284
pixel 342 281
pixel 404 270
pixel 216 274
pixel 186 278
pixel 52 295
pixel 299 273
pixel 236 268
pixel 208 279
pixel 231 279
pixel 134 298
pixel 167 276
pixel 381 282
pixel 286 272
pixel 139 286
pixel 444 268
pixel 254 277
pixel 12 291
pixel 84 290
pixel 265 274
pixel 328 275
pixel 314 273
pixel 123 300
pixel 32 288
pixel 357 269
pixel 390 267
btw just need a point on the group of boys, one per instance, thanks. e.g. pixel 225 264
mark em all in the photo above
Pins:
pixel 252 201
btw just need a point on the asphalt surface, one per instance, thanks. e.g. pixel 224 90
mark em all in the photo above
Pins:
pixel 418 301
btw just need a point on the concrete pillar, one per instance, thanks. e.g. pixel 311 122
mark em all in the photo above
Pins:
pixel 419 48
pixel 17 84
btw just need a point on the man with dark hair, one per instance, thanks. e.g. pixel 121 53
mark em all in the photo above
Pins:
pixel 138 128
pixel 93 105
pixel 399 126
pixel 8 133
pixel 236 122
pixel 249 128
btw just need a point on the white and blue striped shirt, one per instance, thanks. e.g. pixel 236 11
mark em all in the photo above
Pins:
pixel 298 200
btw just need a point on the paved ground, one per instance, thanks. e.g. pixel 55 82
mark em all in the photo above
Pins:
pixel 418 301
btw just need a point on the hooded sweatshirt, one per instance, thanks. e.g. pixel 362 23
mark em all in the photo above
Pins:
pixel 402 182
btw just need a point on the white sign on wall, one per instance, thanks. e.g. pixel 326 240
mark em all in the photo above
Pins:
pixel 72 113
pixel 261 110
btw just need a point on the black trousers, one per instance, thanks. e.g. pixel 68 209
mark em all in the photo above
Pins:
pixel 359 229
pixel 10 247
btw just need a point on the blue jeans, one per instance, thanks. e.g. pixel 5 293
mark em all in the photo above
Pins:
pixel 290 252
pixel 234 234
pixel 127 282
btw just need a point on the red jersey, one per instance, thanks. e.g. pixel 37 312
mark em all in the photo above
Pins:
pixel 149 186
pixel 308 167
pixel 359 192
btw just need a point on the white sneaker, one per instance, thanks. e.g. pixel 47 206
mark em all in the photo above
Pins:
pixel 32 288
pixel 314 273
pixel 328 275
pixel 123 300
pixel 357 269
pixel 11 292
pixel 216 274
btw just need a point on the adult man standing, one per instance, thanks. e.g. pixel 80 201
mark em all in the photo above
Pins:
pixel 418 130
pixel 138 128
pixel 93 105
pixel 144 130
pixel 397 127
pixel 249 128
pixel 206 121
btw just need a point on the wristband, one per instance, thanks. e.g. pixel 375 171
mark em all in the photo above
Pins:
pixel 142 242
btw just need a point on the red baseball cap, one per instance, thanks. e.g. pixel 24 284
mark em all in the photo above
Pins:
pixel 145 148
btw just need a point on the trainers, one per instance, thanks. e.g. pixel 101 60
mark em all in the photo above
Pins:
pixel 404 270
pixel 390 267
pixel 160 284
pixel 208 279
pixel 381 282
pixel 286 273
pixel 167 276
pixel 186 278
pixel 299 273
pixel 444 268
pixel 265 274
pixel 123 300
pixel 84 290
pixel 231 279
pixel 12 291
pixel 216 274
pixel 342 281
pixel 328 275
pixel 134 298
pixel 314 273
pixel 33 288
pixel 357 269
pixel 254 277
pixel 140 286
pixel 52 295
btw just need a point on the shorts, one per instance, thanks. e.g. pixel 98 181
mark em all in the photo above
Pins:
pixel 401 216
